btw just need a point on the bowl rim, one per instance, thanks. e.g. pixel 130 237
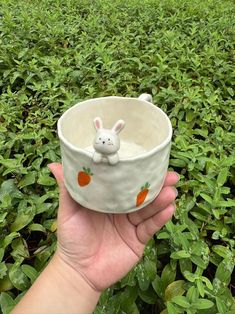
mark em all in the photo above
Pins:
pixel 129 159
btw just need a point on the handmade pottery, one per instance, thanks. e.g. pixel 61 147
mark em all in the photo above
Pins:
pixel 128 174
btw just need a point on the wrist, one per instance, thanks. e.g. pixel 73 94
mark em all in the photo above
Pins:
pixel 59 289
pixel 72 281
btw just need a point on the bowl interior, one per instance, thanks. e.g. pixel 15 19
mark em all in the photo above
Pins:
pixel 146 125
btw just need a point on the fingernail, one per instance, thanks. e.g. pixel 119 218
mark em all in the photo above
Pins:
pixel 176 191
pixel 178 176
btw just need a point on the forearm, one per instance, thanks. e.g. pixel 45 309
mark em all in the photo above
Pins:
pixel 58 290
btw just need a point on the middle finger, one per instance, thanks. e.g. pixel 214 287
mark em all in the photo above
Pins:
pixel 167 196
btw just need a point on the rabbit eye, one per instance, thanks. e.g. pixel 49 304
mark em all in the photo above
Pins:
pixel 99 138
pixel 108 139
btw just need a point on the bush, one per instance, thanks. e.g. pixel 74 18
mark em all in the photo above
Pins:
pixel 56 53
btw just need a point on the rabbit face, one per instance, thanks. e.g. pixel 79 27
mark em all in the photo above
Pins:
pixel 106 142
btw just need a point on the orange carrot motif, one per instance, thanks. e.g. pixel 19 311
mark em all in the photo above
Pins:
pixel 84 177
pixel 142 194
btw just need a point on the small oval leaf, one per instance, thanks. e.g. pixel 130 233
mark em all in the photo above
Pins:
pixel 174 289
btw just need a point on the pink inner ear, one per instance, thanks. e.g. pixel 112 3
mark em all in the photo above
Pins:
pixel 118 126
pixel 97 123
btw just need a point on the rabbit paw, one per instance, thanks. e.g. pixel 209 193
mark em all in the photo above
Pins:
pixel 113 159
pixel 97 157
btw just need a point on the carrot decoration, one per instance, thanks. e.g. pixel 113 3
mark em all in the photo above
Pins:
pixel 142 194
pixel 84 177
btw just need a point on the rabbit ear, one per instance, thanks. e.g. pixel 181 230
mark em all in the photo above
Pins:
pixel 98 123
pixel 119 125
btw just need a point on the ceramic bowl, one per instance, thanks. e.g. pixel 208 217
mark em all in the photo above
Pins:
pixel 137 178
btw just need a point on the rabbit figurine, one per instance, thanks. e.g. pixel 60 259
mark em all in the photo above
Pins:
pixel 107 142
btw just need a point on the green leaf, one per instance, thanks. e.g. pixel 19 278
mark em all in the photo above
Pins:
pixel 192 294
pixel 207 282
pixel 129 279
pixel 36 227
pixel 5 284
pixel 36 164
pixel 228 203
pixel 9 163
pixel 9 238
pixel 230 91
pixel 185 265
pixel 190 115
pixel 28 179
pixel 176 288
pixel 177 163
pixel 198 261
pixel 222 251
pixel 198 247
pixel 203 304
pixel 168 275
pixel 4 215
pixel 222 177
pixel 9 187
pixel 130 309
pixel 1 253
pixel 200 287
pixel 105 296
pixel 18 278
pixel 180 254
pixel 189 276
pixel 221 306
pixel 163 235
pixel 128 297
pixel 7 303
pixel 3 270
pixel 170 226
pixel 171 308
pixel 51 155
pixel 228 161
pixel 148 296
pixel 19 249
pixel 15 76
pixel 23 218
pixel 45 179
pixel 43 207
pixel 150 268
pixel 181 301
pixel 224 271
pixel 143 280
pixel 158 286
pixel 207 198
pixel 30 272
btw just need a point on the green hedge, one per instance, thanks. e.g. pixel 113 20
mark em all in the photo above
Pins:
pixel 56 53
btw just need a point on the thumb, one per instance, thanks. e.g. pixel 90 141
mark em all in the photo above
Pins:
pixel 67 205
pixel 56 169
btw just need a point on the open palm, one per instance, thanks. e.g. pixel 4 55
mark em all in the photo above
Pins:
pixel 104 247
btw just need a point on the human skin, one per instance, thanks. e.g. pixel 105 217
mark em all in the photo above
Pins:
pixel 94 250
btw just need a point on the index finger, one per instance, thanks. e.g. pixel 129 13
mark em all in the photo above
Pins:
pixel 172 178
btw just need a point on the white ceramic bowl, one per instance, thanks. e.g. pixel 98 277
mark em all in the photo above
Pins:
pixel 144 154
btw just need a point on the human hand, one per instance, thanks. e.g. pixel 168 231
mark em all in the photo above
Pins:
pixel 101 247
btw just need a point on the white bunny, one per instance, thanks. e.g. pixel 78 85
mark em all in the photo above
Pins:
pixel 107 142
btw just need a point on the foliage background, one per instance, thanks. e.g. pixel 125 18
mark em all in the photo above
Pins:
pixel 56 53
